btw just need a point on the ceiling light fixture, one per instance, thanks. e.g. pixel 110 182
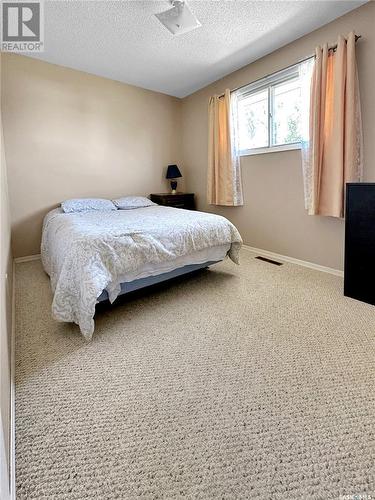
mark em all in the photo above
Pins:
pixel 178 19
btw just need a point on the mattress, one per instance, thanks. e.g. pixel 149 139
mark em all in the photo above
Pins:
pixel 212 254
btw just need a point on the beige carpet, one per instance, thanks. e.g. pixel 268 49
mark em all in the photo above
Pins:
pixel 240 382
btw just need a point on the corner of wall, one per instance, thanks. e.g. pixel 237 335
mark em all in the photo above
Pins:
pixel 6 315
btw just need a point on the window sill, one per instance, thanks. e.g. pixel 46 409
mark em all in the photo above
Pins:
pixel 273 149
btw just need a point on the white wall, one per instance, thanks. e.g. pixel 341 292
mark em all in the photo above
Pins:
pixel 5 322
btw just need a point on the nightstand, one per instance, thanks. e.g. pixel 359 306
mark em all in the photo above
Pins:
pixel 178 200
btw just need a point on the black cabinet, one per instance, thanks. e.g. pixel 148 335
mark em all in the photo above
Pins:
pixel 359 281
pixel 178 200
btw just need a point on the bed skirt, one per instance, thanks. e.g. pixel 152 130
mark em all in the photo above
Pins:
pixel 131 286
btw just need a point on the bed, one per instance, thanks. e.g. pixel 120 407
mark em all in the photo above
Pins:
pixel 98 255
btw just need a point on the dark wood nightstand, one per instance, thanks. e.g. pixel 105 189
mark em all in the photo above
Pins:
pixel 178 200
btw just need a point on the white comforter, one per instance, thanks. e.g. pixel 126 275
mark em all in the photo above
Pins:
pixel 85 253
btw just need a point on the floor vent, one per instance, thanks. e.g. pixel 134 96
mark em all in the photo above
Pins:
pixel 270 261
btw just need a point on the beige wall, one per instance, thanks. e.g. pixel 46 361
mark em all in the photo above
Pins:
pixel 273 217
pixel 71 134
pixel 5 321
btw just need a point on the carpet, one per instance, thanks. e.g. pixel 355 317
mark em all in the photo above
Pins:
pixel 251 381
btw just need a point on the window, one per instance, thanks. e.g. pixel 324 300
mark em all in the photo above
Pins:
pixel 269 113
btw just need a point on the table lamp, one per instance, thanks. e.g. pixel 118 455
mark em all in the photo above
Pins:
pixel 173 173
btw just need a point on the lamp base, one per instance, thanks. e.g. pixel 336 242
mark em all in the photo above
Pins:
pixel 174 187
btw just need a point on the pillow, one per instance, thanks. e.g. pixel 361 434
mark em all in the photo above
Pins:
pixel 86 204
pixel 130 202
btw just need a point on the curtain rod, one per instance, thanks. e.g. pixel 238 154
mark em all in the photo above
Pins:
pixel 333 48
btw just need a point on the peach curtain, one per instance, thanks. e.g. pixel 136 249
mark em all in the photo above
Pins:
pixel 224 177
pixel 335 131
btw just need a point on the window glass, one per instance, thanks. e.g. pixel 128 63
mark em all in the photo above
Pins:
pixel 270 113
pixel 286 122
pixel 253 120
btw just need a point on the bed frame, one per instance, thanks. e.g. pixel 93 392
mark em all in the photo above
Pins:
pixel 131 286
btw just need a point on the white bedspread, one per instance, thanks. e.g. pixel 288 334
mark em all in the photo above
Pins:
pixel 85 253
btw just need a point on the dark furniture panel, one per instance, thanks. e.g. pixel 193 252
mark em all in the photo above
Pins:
pixel 178 200
pixel 359 281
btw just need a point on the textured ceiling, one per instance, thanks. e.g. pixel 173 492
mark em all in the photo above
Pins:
pixel 124 41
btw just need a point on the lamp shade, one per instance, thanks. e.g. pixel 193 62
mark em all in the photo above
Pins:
pixel 173 172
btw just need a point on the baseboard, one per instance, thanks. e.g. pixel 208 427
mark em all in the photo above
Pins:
pixel 260 251
pixel 12 441
pixel 27 258
pixel 292 260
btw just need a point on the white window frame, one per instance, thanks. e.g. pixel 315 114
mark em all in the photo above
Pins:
pixel 268 83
